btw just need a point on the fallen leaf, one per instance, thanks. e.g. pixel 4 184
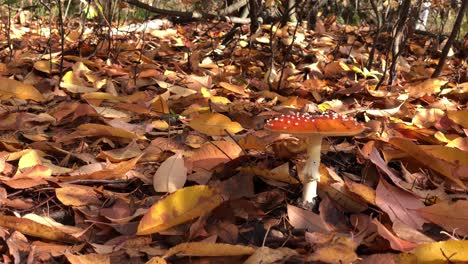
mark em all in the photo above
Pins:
pixel 93 130
pixel 452 251
pixel 171 174
pixel 459 117
pixel 88 259
pixel 213 153
pixel 452 217
pixel 214 124
pixel 303 219
pixel 427 87
pixel 32 228
pixel 417 153
pixel 76 195
pixel 15 89
pixel 239 89
pixel 395 242
pixel 179 207
pixel 209 249
pixel 334 253
pixel 399 204
pixel 266 255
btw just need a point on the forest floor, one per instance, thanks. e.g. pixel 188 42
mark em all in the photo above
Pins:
pixel 151 148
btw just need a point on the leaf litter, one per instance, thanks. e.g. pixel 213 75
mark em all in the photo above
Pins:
pixel 161 155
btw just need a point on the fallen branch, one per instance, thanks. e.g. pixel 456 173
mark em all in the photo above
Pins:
pixel 195 15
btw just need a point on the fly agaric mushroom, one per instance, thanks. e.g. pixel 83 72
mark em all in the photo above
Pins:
pixel 313 128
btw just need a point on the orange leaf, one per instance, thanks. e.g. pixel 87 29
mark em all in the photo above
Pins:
pixel 209 249
pixel 213 153
pixel 92 130
pixel 14 89
pixel 88 259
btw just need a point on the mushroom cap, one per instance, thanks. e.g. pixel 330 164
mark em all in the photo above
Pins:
pixel 303 124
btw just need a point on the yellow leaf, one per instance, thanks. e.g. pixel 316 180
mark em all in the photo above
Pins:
pixel 452 155
pixel 160 125
pixel 209 249
pixel 220 100
pixel 459 117
pixel 14 89
pixel 214 124
pixel 44 66
pixel 427 87
pixel 156 260
pixel 239 89
pixel 179 207
pixel 32 228
pixel 30 159
pixel 442 252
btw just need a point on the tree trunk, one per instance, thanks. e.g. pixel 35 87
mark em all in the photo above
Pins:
pixel 398 40
pixel 451 39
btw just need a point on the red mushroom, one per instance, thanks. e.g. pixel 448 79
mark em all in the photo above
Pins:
pixel 313 128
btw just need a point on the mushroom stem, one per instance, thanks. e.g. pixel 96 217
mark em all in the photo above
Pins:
pixel 311 169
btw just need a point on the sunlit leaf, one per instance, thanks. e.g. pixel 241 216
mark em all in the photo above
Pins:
pixel 454 250
pixel 32 228
pixel 209 249
pixel 14 89
pixel 178 208
pixel 214 124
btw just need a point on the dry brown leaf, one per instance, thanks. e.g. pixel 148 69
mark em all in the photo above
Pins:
pixel 171 174
pixel 442 167
pixel 395 242
pixel 452 217
pixel 303 219
pixel 399 204
pixel 214 153
pixel 76 195
pixel 427 87
pixel 15 89
pixel 266 255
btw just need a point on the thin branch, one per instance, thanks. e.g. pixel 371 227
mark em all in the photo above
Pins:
pixel 195 15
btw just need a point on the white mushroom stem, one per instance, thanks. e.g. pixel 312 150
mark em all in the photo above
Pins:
pixel 311 169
